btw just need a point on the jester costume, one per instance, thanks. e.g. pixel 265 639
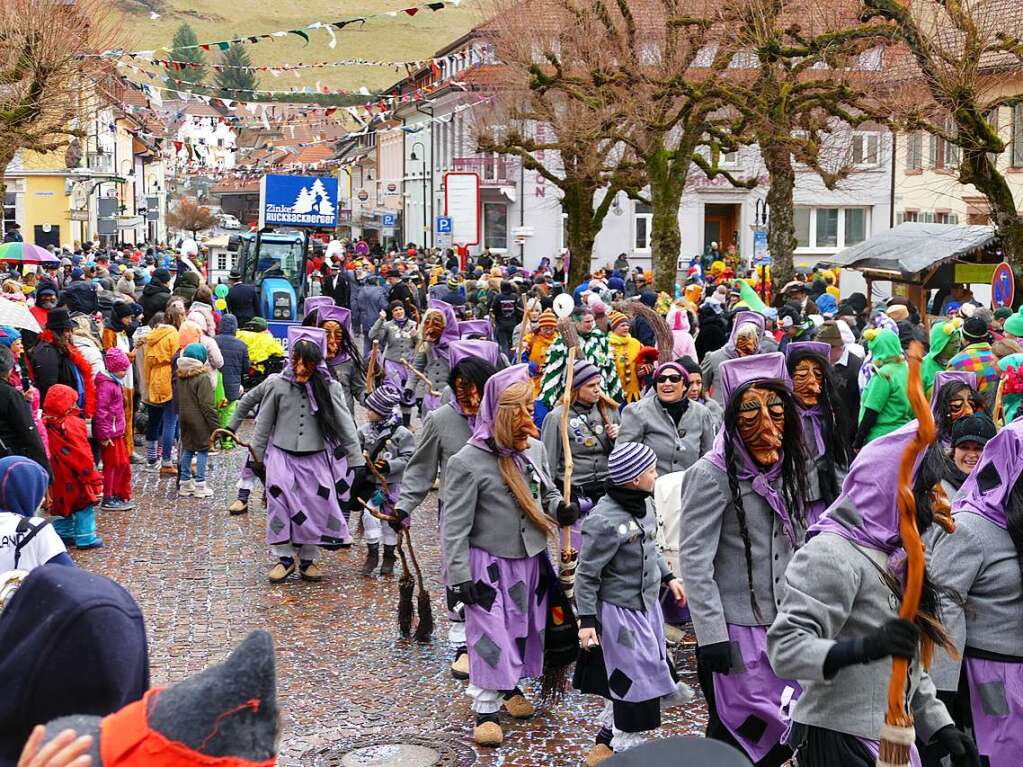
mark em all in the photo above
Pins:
pixel 593 347
pixel 946 339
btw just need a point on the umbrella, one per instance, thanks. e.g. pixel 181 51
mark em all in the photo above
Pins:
pixel 17 315
pixel 24 253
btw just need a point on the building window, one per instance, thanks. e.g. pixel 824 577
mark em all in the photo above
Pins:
pixel 830 228
pixel 915 151
pixel 10 210
pixel 865 150
pixel 946 218
pixel 495 226
pixel 643 224
pixel 1017 136
pixel 223 264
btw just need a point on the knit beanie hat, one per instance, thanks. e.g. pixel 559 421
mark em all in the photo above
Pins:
pixel 116 360
pixel 615 318
pixel 977 428
pixel 548 319
pixel 196 352
pixel 583 371
pixel 383 399
pixel 1014 325
pixel 628 461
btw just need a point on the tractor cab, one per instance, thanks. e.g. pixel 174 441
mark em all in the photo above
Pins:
pixel 276 263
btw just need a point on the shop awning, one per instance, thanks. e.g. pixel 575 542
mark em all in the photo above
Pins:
pixel 912 248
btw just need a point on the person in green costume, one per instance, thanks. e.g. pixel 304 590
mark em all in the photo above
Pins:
pixel 884 406
pixel 946 340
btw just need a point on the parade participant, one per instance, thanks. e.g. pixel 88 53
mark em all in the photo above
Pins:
pixel 343 359
pixel 979 567
pixel 500 510
pixel 624 351
pixel 197 413
pixel 395 332
pixel 535 347
pixel 884 405
pixel 109 428
pixel 743 519
pixel 77 486
pixel 592 346
pixel 306 439
pixel 946 340
pixel 444 432
pixel 26 540
pixel 825 433
pixel 438 329
pixel 696 391
pixel 746 338
pixel 592 430
pixel 388 446
pixel 838 623
pixel 678 429
pixel 476 330
pixel 621 628
pixel 953 396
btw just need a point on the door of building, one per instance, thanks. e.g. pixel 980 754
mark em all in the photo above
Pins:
pixel 720 225
pixel 44 238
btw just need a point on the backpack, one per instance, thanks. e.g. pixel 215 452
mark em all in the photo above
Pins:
pixel 32 530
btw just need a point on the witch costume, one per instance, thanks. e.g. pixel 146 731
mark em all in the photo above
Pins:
pixel 837 624
pixel 617 582
pixel 342 366
pixel 983 610
pixel 712 360
pixel 740 526
pixel 496 559
pixel 825 431
pixel 432 359
pixel 307 476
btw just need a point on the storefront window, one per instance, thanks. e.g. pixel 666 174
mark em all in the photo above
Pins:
pixel 495 225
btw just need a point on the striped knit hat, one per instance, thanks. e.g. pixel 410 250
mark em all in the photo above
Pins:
pixel 384 399
pixel 583 371
pixel 628 461
pixel 548 319
pixel 615 317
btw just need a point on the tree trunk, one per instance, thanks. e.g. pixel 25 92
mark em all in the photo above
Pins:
pixel 577 203
pixel 977 169
pixel 781 226
pixel 665 236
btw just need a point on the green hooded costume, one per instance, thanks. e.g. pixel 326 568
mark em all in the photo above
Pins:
pixel 885 393
pixel 946 340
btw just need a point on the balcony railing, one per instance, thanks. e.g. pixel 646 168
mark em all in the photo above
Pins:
pixel 491 169
pixel 100 162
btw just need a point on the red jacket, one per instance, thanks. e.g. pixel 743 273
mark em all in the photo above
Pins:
pixel 76 483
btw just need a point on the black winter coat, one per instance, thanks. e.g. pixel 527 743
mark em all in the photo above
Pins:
pixel 154 299
pixel 236 362
pixel 243 302
pixel 17 429
pixel 81 296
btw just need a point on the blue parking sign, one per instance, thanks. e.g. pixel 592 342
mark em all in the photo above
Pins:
pixel 389 219
pixel 443 225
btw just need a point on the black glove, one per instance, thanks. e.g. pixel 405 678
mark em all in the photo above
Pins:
pixel 465 593
pixel 567 513
pixel 897 638
pixel 716 657
pixel 396 524
pixel 958 745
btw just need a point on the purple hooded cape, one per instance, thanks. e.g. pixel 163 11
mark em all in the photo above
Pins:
pixel 733 374
pixel 317 336
pixel 485 350
pixel 943 377
pixel 317 302
pixel 342 316
pixel 451 332
pixel 743 318
pixel 986 491
pixel 867 513
pixel 476 328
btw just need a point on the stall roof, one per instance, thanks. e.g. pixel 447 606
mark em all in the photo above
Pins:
pixel 912 248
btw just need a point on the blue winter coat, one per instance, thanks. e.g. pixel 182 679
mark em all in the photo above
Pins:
pixel 236 357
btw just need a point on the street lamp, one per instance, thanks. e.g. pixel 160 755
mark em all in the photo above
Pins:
pixel 423 181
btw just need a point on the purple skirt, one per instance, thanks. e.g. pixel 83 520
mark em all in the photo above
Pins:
pixel 505 630
pixel 996 700
pixel 304 493
pixel 752 691
pixel 634 653
pixel 395 373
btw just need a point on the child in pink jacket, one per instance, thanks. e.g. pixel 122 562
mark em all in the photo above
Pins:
pixel 108 428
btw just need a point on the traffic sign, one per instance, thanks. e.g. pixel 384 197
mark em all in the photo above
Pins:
pixel 444 225
pixel 1003 286
pixel 390 219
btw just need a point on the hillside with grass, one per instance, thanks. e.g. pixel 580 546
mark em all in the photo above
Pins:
pixel 150 24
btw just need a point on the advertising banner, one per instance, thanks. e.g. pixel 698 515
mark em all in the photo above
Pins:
pixel 300 201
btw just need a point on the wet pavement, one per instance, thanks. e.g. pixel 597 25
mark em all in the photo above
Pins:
pixel 345 678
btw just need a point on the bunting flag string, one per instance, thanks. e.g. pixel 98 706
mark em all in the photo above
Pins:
pixel 302 32
pixel 277 69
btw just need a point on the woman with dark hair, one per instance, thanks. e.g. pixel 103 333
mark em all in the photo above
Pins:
pixel 743 505
pixel 306 438
pixel 825 431
pixel 838 623
pixel 444 432
pixel 954 396
pixel 342 357
pixel 697 393
pixel 980 564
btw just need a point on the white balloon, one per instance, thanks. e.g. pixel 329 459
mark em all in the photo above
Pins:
pixel 189 248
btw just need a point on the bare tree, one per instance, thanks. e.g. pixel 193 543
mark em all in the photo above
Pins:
pixel 962 64
pixel 189 216
pixel 45 71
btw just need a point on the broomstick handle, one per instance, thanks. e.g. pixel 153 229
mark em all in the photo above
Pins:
pixel 566 448
pixel 422 377
pixel 371 368
pixel 998 411
pixel 415 562
pixel 233 436
pixel 896 740
pixel 522 329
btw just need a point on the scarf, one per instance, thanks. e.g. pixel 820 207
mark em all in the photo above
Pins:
pixel 676 409
pixel 812 423
pixel 632 500
pixel 762 482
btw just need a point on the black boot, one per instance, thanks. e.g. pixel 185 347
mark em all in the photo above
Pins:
pixel 372 559
pixel 387 568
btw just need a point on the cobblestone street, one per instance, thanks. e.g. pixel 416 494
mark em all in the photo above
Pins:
pixel 345 679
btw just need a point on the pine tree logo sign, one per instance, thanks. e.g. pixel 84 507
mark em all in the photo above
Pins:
pixel 298 201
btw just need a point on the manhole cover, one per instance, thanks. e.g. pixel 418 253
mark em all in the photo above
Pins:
pixel 401 750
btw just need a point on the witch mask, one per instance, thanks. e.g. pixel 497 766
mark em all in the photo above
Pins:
pixel 433 326
pixel 334 337
pixel 807 382
pixel 761 423
pixel 746 341
pixel 467 396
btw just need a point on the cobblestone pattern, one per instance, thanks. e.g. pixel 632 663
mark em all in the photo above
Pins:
pixel 343 673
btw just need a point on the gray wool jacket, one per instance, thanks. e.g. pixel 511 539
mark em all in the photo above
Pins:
pixel 397 450
pixel 434 367
pixel 677 447
pixel 978 562
pixel 395 344
pixel 480 511
pixel 353 384
pixel 618 561
pixel 834 592
pixel 584 425
pixel 713 557
pixel 286 420
pixel 444 433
